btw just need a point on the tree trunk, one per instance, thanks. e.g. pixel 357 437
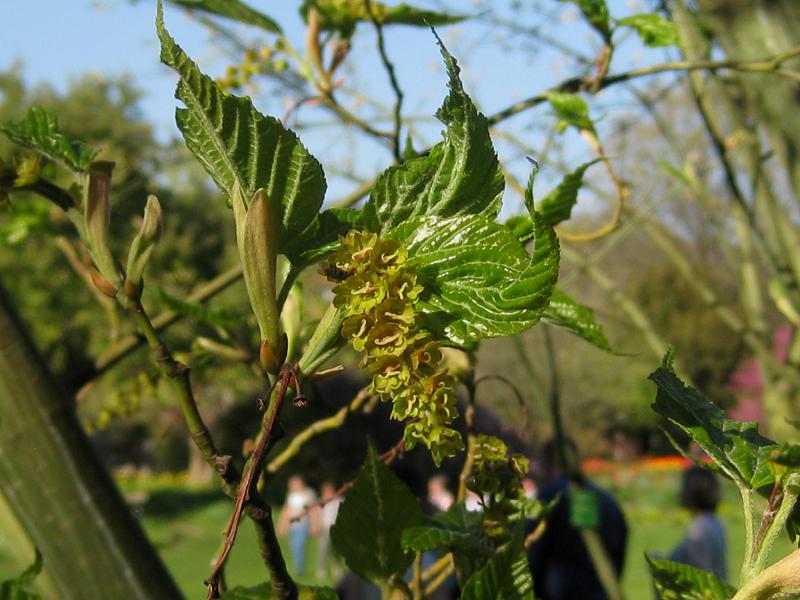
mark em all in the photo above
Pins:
pixel 93 547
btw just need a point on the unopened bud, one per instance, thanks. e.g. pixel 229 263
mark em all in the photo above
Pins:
pixel 258 253
pixel 97 213
pixel 144 242
pixel 103 284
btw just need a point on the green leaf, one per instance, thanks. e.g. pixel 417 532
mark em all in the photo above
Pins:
pixel 481 281
pixel 344 15
pixel 39 131
pixel 231 9
pixel 266 592
pixel 676 581
pixel 596 12
pixel 197 311
pixel 244 150
pixel 332 223
pixel 369 528
pixel 18 588
pixel 456 528
pixel 654 30
pixel 736 448
pixel 557 206
pixel 459 176
pixel 579 319
pixel 571 109
pixel 507 576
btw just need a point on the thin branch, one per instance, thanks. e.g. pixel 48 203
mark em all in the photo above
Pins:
pixel 277 393
pixel 469 460
pixel 315 428
pixel 128 344
pixel 577 84
pixel 398 92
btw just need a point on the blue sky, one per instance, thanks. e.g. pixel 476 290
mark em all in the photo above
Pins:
pixel 58 41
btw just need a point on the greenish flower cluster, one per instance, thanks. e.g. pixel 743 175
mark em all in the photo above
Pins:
pixel 377 291
pixel 497 478
pixel 496 471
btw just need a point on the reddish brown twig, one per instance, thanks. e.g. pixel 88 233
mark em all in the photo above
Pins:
pixel 287 375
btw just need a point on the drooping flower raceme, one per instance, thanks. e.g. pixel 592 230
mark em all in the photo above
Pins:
pixel 377 290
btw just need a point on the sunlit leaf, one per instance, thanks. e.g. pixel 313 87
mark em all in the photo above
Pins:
pixel 571 109
pixel 481 280
pixel 565 312
pixel 455 528
pixel 369 527
pixel 557 206
pixel 244 150
pixel 460 175
pixel 737 448
pixel 344 15
pixel 231 9
pixel 676 581
pixel 507 576
pixel 39 131
pixel 654 30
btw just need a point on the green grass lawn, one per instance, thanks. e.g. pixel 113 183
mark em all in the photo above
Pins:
pixel 187 525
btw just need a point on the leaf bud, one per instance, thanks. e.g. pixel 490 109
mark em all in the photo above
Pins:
pixel 259 255
pixel 144 242
pixel 97 214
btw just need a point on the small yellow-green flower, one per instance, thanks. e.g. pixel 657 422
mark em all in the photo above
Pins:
pixel 377 291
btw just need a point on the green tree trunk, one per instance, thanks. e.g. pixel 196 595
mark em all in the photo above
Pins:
pixel 63 496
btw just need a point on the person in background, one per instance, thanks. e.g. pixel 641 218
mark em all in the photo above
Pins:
pixel 438 494
pixel 704 544
pixel 327 517
pixel 562 567
pixel 529 488
pixel 298 499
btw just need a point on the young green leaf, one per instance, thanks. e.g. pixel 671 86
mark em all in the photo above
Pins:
pixel 736 448
pixel 654 30
pixel 456 528
pixel 39 130
pixel 676 581
pixel 231 9
pixel 244 150
pixel 344 15
pixel 332 223
pixel 557 206
pixel 596 12
pixel 368 530
pixel 459 176
pixel 579 319
pixel 19 588
pixel 507 576
pixel 482 282
pixel 571 109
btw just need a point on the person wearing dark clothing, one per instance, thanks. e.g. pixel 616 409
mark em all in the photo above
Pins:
pixel 560 564
pixel 704 544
